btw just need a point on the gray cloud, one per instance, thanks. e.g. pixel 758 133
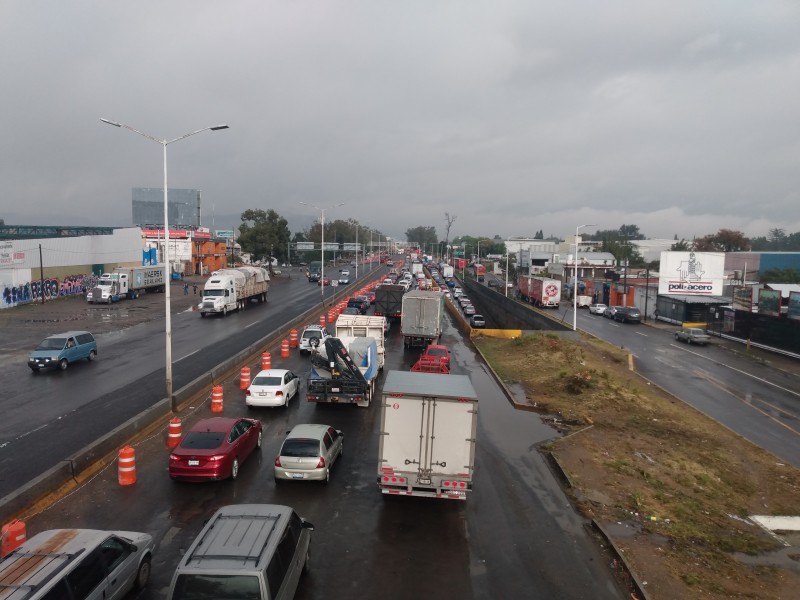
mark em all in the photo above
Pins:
pixel 516 116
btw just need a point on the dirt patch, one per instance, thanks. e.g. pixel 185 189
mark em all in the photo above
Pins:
pixel 671 486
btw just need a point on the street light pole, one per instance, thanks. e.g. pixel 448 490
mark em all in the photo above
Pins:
pixel 575 279
pixel 506 273
pixel 322 246
pixel 168 317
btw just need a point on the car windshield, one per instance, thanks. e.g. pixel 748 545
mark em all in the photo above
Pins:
pixel 207 293
pixel 203 440
pixel 52 344
pixel 216 587
pixel 437 352
pixel 267 380
pixel 300 447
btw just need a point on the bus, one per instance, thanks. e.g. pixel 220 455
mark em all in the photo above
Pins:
pixel 314 272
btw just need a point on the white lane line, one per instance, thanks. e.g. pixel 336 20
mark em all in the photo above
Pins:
pixel 641 334
pixel 190 354
pixel 251 324
pixel 761 379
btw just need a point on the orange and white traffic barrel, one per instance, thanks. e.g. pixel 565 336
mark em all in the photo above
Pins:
pixel 331 318
pixel 285 349
pixel 244 378
pixel 126 466
pixel 322 320
pixel 216 399
pixel 293 338
pixel 174 433
pixel 266 361
pixel 13 536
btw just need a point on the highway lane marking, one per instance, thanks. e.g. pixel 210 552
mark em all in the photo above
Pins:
pixel 251 324
pixel 761 379
pixel 748 401
pixel 191 354
pixel 640 333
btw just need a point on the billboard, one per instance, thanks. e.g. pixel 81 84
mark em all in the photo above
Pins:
pixel 303 246
pixel 794 306
pixel 691 273
pixel 769 302
pixel 351 247
pixel 743 298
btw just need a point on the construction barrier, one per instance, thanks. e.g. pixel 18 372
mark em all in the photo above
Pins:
pixel 13 536
pixel 293 338
pixel 285 349
pixel 174 433
pixel 126 466
pixel 322 320
pixel 331 317
pixel 216 399
pixel 266 361
pixel 244 378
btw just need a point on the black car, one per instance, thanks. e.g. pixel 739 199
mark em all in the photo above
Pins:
pixel 360 304
pixel 627 314
pixel 493 283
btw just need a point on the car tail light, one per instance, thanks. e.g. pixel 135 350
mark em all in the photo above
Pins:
pixel 247 392
pixel 321 463
pixel 278 393
pixel 216 458
pixel 174 458
pixel 278 461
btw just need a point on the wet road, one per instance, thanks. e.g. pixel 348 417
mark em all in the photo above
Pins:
pixel 515 537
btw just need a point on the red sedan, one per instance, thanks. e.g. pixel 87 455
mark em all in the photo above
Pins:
pixel 324 281
pixel 214 449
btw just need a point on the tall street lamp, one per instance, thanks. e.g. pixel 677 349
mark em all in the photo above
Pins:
pixel 164 143
pixel 322 246
pixel 575 280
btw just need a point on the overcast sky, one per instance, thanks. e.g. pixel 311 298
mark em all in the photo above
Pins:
pixel 679 116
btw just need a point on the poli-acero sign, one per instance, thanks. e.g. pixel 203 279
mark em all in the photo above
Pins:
pixel 691 273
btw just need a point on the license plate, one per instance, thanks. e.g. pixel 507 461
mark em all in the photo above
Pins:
pixel 194 463
pixel 425 481
pixel 295 475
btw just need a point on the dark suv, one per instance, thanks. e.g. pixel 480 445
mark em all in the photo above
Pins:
pixel 359 303
pixel 628 314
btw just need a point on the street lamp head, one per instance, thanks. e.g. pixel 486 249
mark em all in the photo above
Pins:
pixel 110 122
pixel 218 127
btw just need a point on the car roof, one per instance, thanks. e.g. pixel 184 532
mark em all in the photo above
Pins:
pixel 308 430
pixel 312 327
pixel 272 373
pixel 67 334
pixel 215 424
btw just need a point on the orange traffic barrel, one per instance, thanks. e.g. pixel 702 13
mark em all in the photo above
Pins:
pixel 322 320
pixel 13 536
pixel 266 361
pixel 126 466
pixel 293 338
pixel 244 378
pixel 216 399
pixel 285 349
pixel 174 433
pixel 331 317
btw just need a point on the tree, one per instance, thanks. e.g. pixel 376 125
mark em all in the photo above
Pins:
pixel 264 234
pixel 449 220
pixel 422 236
pixel 682 246
pixel 791 275
pixel 539 235
pixel 725 240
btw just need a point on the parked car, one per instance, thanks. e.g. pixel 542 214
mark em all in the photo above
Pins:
pixel 214 449
pixel 58 351
pixel 313 334
pixel 77 563
pixel 693 335
pixel 308 453
pixel 272 387
pixel 439 352
pixel 627 314
pixel 477 321
pixel 597 309
pixel 608 313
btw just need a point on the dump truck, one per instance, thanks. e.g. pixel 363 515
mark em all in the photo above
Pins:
pixel 232 289
pixel 539 291
pixel 421 323
pixel 364 326
pixel 128 282
pixel 427 435
pixel 343 371
pixel 389 301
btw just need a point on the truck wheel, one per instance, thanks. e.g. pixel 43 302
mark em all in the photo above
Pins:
pixel 224 311
pixel 62 364
pixel 202 314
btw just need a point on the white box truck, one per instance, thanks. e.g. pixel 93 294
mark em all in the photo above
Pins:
pixel 421 322
pixel 128 282
pixel 426 441
pixel 231 289
pixel 364 326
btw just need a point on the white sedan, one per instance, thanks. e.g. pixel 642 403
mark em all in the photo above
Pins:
pixel 273 387
pixel 597 309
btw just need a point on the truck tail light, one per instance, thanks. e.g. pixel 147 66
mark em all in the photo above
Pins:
pixel 393 479
pixel 454 484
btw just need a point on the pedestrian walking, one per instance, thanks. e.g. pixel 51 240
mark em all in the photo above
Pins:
pixel 185 289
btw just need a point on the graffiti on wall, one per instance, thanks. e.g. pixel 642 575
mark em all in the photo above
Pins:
pixel 49 288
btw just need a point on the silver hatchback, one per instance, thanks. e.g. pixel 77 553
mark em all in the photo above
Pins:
pixel 308 453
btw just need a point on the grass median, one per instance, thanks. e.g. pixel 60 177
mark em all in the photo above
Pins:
pixel 673 486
